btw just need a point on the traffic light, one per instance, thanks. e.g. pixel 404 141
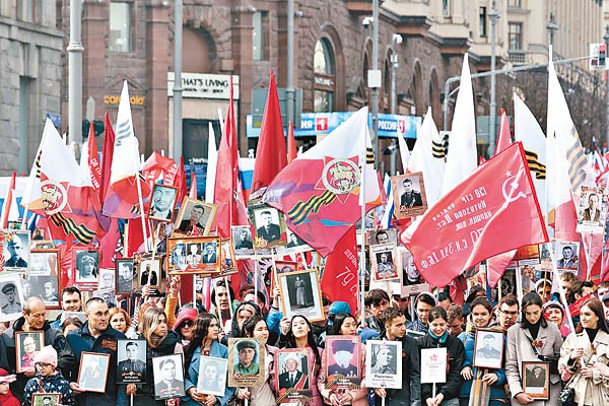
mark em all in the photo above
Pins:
pixel 98 128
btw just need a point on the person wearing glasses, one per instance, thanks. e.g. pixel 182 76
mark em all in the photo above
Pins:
pixel 48 379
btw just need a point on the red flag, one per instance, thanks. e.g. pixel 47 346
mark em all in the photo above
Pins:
pixel 271 153
pixel 180 182
pixel 504 138
pixel 193 194
pixel 159 168
pixel 492 211
pixel 94 168
pixel 292 152
pixel 108 153
pixel 339 281
pixel 231 209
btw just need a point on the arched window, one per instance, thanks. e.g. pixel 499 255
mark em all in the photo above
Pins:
pixel 325 76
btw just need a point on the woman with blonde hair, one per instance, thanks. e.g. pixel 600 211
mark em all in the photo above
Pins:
pixel 160 341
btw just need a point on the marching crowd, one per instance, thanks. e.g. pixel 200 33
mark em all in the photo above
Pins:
pixel 534 329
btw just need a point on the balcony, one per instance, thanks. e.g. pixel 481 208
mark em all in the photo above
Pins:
pixel 518 56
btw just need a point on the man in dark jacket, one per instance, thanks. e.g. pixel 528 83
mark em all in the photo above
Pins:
pixel 34 320
pixel 96 335
pixel 395 330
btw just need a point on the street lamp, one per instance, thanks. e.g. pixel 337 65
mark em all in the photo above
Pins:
pixel 552 27
pixel 494 15
pixel 396 40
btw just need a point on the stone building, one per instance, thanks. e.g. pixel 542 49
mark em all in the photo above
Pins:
pixel 30 78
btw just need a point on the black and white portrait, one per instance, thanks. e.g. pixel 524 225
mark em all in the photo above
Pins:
pixel 567 255
pixel 163 203
pixel 41 263
pixel 301 294
pixel 270 230
pixel 131 367
pixel 243 244
pixel 16 250
pixel 488 349
pixel 195 217
pixel 168 376
pixel 383 365
pixel 343 357
pixel 295 243
pixel 212 376
pixel 47 288
pixel 149 272
pixel 409 195
pixel 385 262
pixel 11 297
pixel 87 263
pixel 382 237
pixel 124 271
pixel 93 371
pixel 210 253
pixel 108 295
pixel 536 379
pixel 592 210
pixel 106 278
pixel 410 274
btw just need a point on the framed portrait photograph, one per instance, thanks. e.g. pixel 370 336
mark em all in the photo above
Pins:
pixel 168 376
pixel 195 217
pixel 149 272
pixel 409 195
pixel 131 366
pixel 108 295
pixel 43 245
pixel 292 367
pixel 488 349
pixel 592 210
pixel 163 203
pixel 383 236
pixel 243 243
pixel 385 262
pixel 27 344
pixel 411 281
pixel 567 255
pixel 124 276
pixel 15 249
pixel 343 360
pixel 384 364
pixel 93 371
pixel 301 294
pixel 212 376
pixel 11 296
pixel 106 278
pixel 86 269
pixel 39 234
pixel 285 266
pixel 46 399
pixel 193 255
pixel 246 364
pixel 44 262
pixel 295 243
pixel 270 227
pixel 536 379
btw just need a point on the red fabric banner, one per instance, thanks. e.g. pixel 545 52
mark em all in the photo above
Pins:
pixel 491 212
pixel 339 281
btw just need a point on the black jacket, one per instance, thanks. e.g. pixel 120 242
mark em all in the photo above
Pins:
pixel 456 356
pixel 411 377
pixel 145 393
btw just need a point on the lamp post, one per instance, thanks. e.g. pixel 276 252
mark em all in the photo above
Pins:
pixel 494 15
pixel 290 89
pixel 396 40
pixel 177 82
pixel 75 50
pixel 552 27
pixel 374 78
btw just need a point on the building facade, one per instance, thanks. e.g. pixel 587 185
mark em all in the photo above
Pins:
pixel 30 78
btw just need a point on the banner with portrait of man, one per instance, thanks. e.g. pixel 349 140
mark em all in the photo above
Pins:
pixel 408 195
pixel 246 363
pixel 591 210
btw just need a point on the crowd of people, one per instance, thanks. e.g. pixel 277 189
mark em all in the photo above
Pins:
pixel 533 329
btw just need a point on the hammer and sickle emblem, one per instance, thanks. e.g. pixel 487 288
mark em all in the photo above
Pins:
pixel 510 187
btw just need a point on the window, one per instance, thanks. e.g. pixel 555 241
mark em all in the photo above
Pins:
pixel 515 36
pixel 515 3
pixel 446 8
pixel 260 36
pixel 120 27
pixel 25 10
pixel 323 66
pixel 482 22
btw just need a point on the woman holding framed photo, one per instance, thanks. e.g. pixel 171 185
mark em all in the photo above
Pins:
pixel 344 324
pixel 585 355
pixel 256 327
pixel 300 335
pixel 160 341
pixel 532 339
pixel 480 317
pixel 204 342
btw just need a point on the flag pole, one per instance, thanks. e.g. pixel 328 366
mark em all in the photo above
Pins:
pixel 142 214
pixel 362 251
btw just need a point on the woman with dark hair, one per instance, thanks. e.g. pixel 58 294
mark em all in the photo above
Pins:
pixel 243 312
pixel 160 341
pixel 204 342
pixel 532 339
pixel 263 395
pixel 585 355
pixel 480 317
pixel 438 336
pixel 300 335
pixel 344 324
